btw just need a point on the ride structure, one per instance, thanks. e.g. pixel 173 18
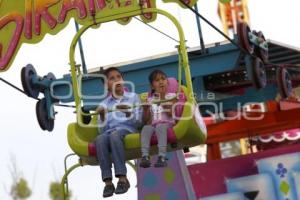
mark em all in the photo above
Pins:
pixel 231 13
pixel 186 133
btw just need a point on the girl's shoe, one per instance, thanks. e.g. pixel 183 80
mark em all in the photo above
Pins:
pixel 161 162
pixel 145 162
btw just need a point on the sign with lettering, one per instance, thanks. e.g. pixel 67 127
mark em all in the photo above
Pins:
pixel 28 21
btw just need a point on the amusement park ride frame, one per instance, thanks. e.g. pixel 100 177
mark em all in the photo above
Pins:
pixel 183 61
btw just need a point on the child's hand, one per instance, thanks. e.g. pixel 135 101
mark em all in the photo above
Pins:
pixel 146 113
pixel 122 107
pixel 101 111
pixel 125 109
pixel 167 108
pixel 146 106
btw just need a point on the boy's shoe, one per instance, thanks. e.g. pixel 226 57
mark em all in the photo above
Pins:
pixel 122 187
pixel 145 162
pixel 108 190
pixel 161 162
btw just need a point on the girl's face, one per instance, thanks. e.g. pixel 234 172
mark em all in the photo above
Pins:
pixel 160 84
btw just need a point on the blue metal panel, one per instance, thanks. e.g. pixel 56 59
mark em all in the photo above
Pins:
pixel 221 58
pixel 215 63
pixel 61 90
pixel 251 96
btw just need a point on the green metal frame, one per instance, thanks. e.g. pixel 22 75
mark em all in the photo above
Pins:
pixel 65 178
pixel 75 70
pixel 183 57
pixel 64 181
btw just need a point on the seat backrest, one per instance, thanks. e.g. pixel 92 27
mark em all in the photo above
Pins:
pixel 181 99
pixel 173 88
pixel 173 85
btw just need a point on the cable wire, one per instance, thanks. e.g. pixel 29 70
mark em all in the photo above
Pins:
pixel 157 29
pixel 18 89
pixel 213 26
pixel 66 106
pixel 13 86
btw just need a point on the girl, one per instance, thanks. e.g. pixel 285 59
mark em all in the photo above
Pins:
pixel 157 118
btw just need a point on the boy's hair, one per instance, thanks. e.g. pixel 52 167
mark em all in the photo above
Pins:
pixel 154 73
pixel 108 70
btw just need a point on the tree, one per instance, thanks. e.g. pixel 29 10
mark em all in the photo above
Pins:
pixel 55 191
pixel 19 188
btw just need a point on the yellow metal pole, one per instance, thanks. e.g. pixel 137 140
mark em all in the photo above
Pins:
pixel 244 146
pixel 223 17
pixel 182 49
pixel 63 180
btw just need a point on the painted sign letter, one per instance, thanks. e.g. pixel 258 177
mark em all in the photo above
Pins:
pixel 41 10
pixel 4 21
pixel 69 5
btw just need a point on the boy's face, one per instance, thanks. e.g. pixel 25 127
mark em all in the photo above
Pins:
pixel 114 81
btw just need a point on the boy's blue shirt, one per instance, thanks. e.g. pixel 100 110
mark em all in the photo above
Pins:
pixel 117 119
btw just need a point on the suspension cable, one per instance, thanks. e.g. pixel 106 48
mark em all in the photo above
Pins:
pixel 65 105
pixel 228 38
pixel 213 26
pixel 18 89
pixel 157 29
pixel 13 86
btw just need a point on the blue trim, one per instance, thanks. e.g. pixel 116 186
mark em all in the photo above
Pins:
pixel 220 58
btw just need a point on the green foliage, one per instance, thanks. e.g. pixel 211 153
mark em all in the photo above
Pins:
pixel 224 1
pixel 20 189
pixel 55 192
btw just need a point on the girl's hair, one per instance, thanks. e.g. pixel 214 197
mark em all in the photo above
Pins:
pixel 154 74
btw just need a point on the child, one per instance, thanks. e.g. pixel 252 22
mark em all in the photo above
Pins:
pixel 110 143
pixel 157 118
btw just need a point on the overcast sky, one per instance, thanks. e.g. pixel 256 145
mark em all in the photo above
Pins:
pixel 39 155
